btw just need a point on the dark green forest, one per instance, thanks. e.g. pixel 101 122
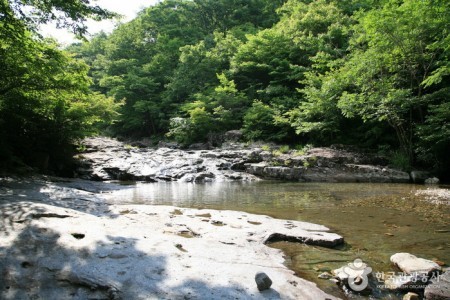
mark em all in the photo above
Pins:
pixel 375 74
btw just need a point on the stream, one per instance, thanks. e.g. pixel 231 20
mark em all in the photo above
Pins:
pixel 376 220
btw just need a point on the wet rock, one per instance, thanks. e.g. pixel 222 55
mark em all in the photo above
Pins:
pixel 204 177
pixel 298 235
pixel 234 176
pixel 238 166
pixel 439 287
pixel 257 169
pixel 263 281
pixel 411 264
pixel 411 296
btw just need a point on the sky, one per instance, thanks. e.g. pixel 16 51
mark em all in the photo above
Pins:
pixel 127 8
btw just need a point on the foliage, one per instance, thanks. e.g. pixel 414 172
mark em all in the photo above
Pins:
pixel 66 14
pixel 400 160
pixel 45 100
pixel 366 72
pixel 259 124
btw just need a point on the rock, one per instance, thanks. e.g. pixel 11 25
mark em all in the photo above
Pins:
pixel 432 180
pixel 125 253
pixel 413 265
pixel 263 281
pixel 200 146
pixel 109 159
pixel 204 177
pixel 324 275
pixel 298 235
pixel 354 275
pixel 439 287
pixel 411 296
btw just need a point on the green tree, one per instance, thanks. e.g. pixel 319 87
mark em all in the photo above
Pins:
pixel 260 124
pixel 15 14
pixel 45 100
pixel 212 112
pixel 399 59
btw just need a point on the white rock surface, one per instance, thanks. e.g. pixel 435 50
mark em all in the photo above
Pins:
pixel 141 252
pixel 410 264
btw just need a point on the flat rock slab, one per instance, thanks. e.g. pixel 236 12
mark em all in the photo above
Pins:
pixel 146 252
pixel 412 265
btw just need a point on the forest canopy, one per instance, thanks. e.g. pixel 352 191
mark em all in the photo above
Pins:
pixel 369 73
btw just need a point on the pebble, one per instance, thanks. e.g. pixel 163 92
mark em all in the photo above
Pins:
pixel 263 281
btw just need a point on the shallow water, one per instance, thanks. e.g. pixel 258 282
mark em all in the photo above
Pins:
pixel 372 232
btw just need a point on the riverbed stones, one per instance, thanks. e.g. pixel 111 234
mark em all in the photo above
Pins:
pixel 412 265
pixel 263 282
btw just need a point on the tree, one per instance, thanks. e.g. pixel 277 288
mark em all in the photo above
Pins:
pixel 212 112
pixel 71 14
pixel 398 63
pixel 260 124
pixel 45 100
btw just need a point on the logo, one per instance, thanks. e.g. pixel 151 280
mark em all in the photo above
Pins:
pixel 358 273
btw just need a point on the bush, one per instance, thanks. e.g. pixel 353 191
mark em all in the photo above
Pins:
pixel 259 124
pixel 400 160
pixel 197 128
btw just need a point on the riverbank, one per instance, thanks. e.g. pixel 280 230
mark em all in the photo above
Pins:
pixel 61 239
